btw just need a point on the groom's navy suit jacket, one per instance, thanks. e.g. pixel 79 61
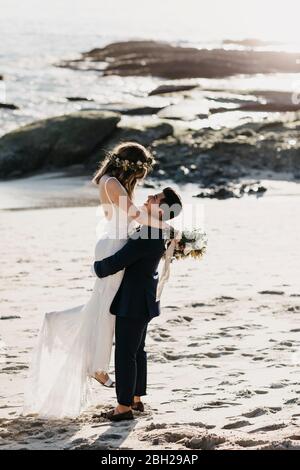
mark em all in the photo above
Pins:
pixel 140 257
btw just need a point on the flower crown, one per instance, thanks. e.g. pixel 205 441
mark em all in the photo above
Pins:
pixel 126 164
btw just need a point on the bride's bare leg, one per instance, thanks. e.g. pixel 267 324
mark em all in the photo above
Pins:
pixel 101 377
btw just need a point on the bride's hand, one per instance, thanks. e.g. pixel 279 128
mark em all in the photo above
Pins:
pixel 177 235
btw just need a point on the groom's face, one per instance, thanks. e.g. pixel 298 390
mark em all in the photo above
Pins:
pixel 153 205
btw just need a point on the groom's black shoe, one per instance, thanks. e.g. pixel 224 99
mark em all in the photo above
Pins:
pixel 138 406
pixel 112 416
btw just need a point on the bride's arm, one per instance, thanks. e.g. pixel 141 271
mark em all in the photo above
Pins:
pixel 120 198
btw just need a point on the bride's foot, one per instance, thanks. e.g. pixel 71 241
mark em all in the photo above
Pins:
pixel 104 379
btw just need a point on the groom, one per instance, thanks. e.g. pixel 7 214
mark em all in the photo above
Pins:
pixel 135 302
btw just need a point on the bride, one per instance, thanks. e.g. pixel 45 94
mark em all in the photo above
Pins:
pixel 75 345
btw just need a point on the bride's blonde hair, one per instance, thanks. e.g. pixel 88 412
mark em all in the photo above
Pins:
pixel 128 162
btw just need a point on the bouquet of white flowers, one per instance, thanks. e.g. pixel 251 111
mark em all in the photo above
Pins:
pixel 193 243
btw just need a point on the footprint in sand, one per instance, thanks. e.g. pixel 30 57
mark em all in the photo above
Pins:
pixel 9 317
pixel 229 328
pixel 172 357
pixel 236 374
pixel 261 411
pixel 249 443
pixel 279 385
pixel 188 319
pixel 225 298
pixel 13 369
pixel 294 308
pixel 293 401
pixel 271 427
pixel 213 355
pixel 216 404
pixel 160 335
pixel 208 442
pixel 180 320
pixel 245 393
pixel 272 292
pixel 200 304
pixel 236 425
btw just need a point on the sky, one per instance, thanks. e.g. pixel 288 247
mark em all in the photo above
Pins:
pixel 208 19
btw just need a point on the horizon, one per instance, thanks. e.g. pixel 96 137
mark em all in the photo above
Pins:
pixel 223 20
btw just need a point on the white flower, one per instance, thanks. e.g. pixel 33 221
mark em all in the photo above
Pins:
pixel 194 240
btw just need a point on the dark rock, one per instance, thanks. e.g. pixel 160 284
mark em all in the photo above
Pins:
pixel 267 101
pixel 149 185
pixel 143 135
pixel 216 159
pixel 135 111
pixel 270 107
pixel 162 89
pixel 232 191
pixel 143 111
pixel 161 59
pixel 54 143
pixel 219 193
pixel 254 188
pixel 219 110
pixel 8 106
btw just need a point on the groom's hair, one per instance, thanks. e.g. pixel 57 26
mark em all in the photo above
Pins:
pixel 171 204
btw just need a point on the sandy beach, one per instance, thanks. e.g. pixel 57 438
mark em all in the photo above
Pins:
pixel 224 355
pixel 214 95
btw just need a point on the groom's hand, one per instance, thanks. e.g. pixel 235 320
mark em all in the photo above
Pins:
pixel 95 269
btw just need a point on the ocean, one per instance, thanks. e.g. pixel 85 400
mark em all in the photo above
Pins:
pixel 34 36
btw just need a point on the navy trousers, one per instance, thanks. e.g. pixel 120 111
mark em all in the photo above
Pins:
pixel 130 358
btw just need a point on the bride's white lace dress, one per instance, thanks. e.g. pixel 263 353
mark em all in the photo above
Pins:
pixel 74 344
